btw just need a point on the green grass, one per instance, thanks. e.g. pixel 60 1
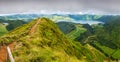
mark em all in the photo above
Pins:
pixel 3 29
pixel 116 54
pixel 47 44
pixel 92 54
pixel 104 49
pixel 75 33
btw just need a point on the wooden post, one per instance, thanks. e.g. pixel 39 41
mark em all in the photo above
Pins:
pixel 10 55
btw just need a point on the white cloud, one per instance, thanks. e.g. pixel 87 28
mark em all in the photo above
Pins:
pixel 60 6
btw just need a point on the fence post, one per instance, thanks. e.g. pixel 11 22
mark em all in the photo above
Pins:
pixel 10 55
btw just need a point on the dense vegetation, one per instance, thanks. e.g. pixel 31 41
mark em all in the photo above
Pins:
pixel 104 37
pixel 8 25
pixel 14 24
pixel 66 27
pixel 110 37
pixel 11 24
pixel 48 44
pixel 72 30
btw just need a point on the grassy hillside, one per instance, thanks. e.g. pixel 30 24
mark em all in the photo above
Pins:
pixel 42 41
pixel 12 24
pixel 3 29
pixel 66 27
pixel 75 33
pixel 72 30
pixel 104 38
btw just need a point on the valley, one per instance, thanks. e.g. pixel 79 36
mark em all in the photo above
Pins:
pixel 43 39
pixel 46 39
pixel 91 36
pixel 60 31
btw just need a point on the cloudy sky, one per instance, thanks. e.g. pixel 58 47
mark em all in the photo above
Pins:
pixel 81 6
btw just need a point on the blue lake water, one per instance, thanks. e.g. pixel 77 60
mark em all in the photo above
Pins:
pixel 90 22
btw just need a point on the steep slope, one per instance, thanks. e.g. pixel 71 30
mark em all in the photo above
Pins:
pixel 42 41
pixel 105 38
pixel 66 27
pixel 109 41
pixel 77 32
pixel 72 30
pixel 12 24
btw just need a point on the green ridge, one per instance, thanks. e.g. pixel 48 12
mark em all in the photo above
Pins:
pixel 47 44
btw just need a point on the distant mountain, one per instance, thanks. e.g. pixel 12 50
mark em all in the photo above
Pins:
pixel 29 17
pixel 19 19
pixel 59 17
pixel 42 41
pixel 102 18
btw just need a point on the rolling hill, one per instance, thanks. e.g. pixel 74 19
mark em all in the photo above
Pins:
pixel 59 17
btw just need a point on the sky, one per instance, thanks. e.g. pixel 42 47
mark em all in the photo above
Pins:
pixel 71 6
